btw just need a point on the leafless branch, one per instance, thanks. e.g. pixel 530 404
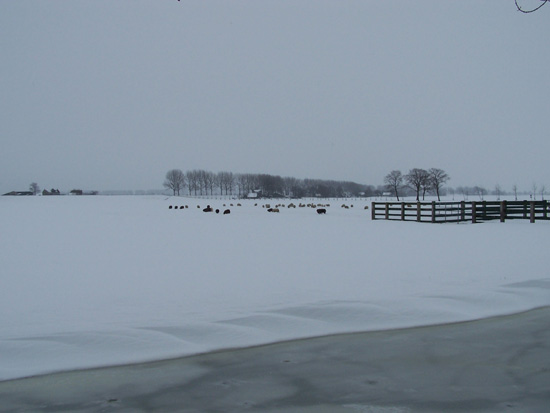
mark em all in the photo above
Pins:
pixel 530 11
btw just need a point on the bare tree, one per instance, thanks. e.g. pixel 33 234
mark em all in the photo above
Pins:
pixel 210 181
pixel 542 191
pixel 34 188
pixel 515 189
pixel 192 181
pixel 221 181
pixel 480 192
pixel 532 10
pixel 394 181
pixel 417 179
pixel 241 183
pixel 437 178
pixel 534 189
pixel 229 182
pixel 465 191
pixel 452 192
pixel 175 180
pixel 498 191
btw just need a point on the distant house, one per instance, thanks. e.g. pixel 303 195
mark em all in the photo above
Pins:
pixel 81 192
pixel 51 192
pixel 257 193
pixel 18 193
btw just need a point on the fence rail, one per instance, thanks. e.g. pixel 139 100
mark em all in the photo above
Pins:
pixel 475 211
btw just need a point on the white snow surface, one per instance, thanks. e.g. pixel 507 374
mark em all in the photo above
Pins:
pixel 96 281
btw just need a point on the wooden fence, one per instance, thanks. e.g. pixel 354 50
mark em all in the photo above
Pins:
pixel 476 211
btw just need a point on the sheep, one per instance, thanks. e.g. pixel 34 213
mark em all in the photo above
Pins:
pixel 227 211
pixel 366 207
pixel 217 211
pixel 207 209
pixel 170 207
pixel 273 210
pixel 321 211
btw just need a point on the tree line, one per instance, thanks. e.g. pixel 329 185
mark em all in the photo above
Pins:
pixel 421 181
pixel 200 182
pixel 417 182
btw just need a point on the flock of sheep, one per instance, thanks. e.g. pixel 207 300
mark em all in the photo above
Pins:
pixel 320 208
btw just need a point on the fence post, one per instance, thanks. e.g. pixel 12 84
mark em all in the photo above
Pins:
pixel 532 212
pixel 418 212
pixel 484 212
pixel 502 211
pixel 433 211
pixel 373 211
pixel 387 210
pixel 474 212
pixel 544 209
pixel 524 209
pixel 402 211
pixel 462 211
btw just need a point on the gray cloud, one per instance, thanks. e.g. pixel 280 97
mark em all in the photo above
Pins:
pixel 110 95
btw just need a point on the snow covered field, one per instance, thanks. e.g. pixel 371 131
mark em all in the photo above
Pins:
pixel 93 281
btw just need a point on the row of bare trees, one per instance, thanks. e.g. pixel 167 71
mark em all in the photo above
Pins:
pixel 420 180
pixel 201 182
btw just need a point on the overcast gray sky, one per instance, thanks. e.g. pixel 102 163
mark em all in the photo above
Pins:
pixel 109 94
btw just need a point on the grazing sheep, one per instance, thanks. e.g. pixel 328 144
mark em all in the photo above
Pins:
pixel 227 211
pixel 198 206
pixel 207 209
pixel 170 207
pixel 273 210
pixel 321 211
pixel 366 207
pixel 239 205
